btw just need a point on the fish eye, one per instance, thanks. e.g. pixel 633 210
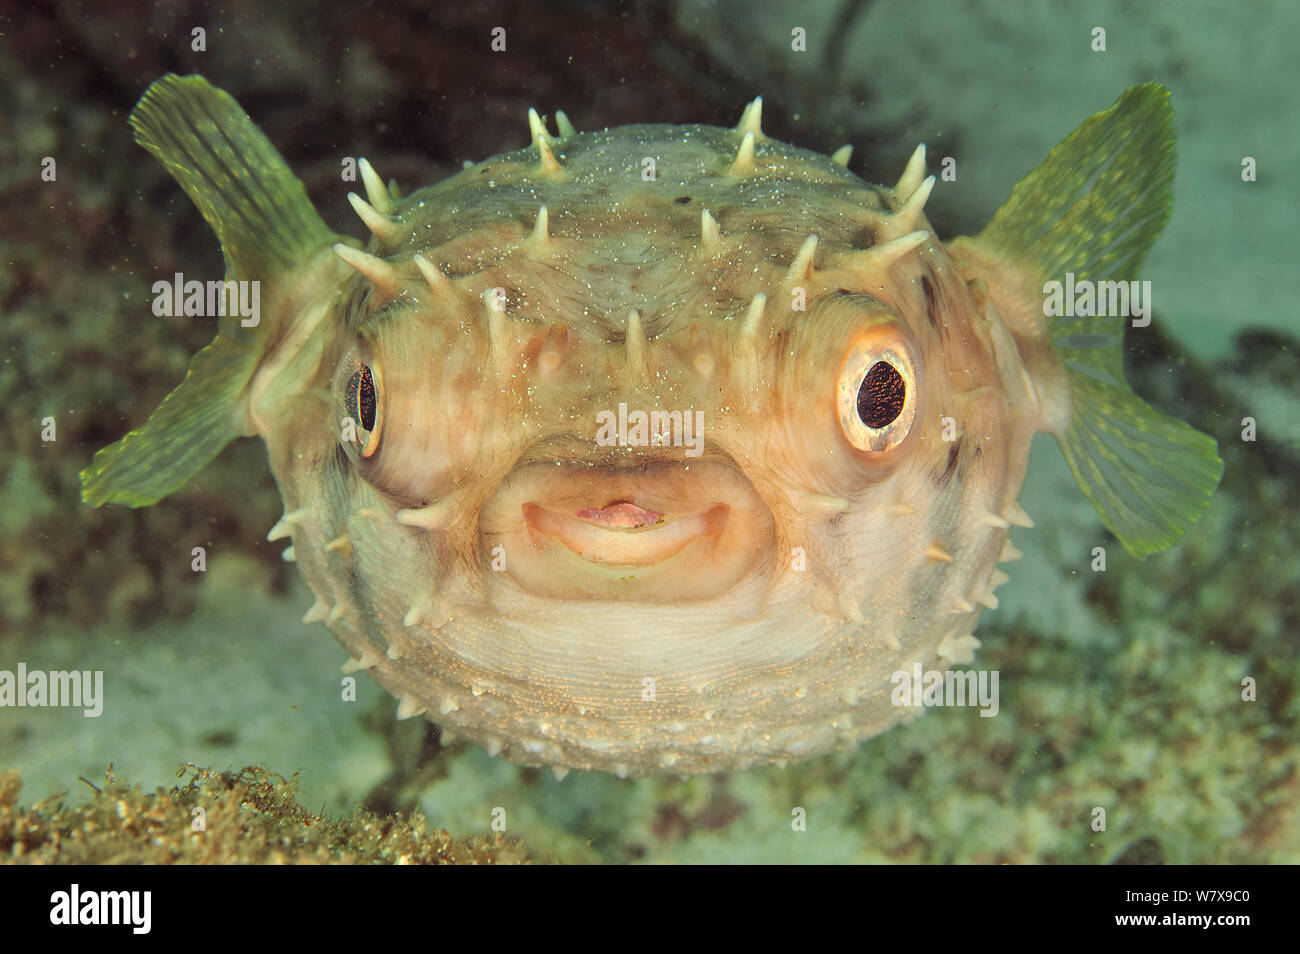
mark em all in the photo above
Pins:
pixel 876 394
pixel 361 403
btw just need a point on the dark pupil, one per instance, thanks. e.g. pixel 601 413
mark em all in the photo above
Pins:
pixel 881 397
pixel 361 398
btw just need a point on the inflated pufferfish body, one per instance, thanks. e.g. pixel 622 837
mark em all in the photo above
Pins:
pixel 662 448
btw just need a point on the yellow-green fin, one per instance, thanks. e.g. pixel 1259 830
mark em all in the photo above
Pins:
pixel 187 430
pixel 267 228
pixel 241 184
pixel 1094 208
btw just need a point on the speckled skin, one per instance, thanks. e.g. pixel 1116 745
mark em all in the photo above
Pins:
pixel 769 640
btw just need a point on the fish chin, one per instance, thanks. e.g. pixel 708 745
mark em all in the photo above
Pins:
pixel 663 532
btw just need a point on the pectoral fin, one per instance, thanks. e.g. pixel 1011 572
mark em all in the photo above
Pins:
pixel 267 228
pixel 1094 208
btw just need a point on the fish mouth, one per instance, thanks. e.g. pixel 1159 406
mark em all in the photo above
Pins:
pixel 658 532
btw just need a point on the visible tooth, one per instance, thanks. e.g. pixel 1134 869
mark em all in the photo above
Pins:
pixel 385 278
pixel 369 513
pixel 710 235
pixel 900 510
pixel 318 613
pixel 997 578
pixel 492 745
pixel 891 641
pixel 376 191
pixel 751 120
pixel 394 652
pixel 988 599
pixel 754 317
pixel 669 759
pixel 381 227
pixel 887 253
pixel 636 341
pixel 842 155
pixel 560 772
pixel 446 736
pixel 337 612
pixel 801 268
pixel 826 502
pixel 448 706
pixel 288 556
pixel 537 128
pixel 937 554
pixel 913 173
pixel 1015 516
pixel 910 212
pixel 369 660
pixel 549 164
pixel 743 164
pixel 407 707
pixel 991 519
pixel 340 544
pixel 297 517
pixel 1009 552
pixel 620 769
pixel 850 608
pixel 539 242
pixel 562 123
pixel 436 516
pixel 960 605
pixel 553 350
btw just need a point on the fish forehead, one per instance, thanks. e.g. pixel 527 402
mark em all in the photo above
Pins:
pixel 625 222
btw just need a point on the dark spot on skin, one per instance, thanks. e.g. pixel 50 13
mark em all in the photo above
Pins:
pixel 931 302
pixel 954 454
pixel 682 199
pixel 341 461
pixel 220 739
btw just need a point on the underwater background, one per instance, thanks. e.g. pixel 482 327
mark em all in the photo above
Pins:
pixel 1121 690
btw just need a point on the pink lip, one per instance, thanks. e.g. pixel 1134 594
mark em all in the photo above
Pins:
pixel 620 514
pixel 604 538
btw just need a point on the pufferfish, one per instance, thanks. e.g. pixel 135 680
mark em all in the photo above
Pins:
pixel 662 448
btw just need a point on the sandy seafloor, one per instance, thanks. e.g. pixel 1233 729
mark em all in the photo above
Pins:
pixel 1119 690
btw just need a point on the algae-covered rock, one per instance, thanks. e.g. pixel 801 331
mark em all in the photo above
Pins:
pixel 246 817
